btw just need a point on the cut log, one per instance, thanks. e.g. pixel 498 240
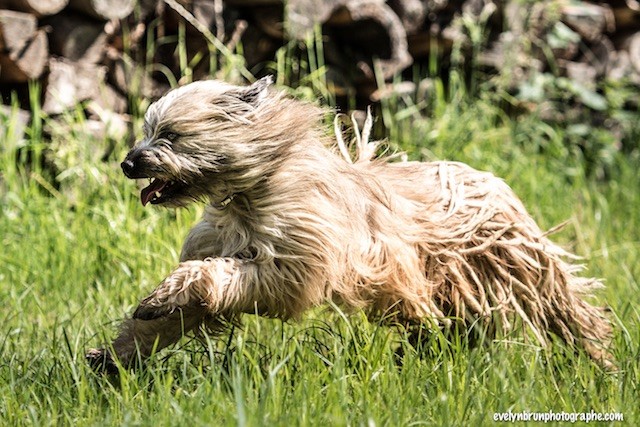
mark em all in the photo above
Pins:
pixel 411 12
pixel 70 83
pixel 581 72
pixel 633 46
pixel 370 27
pixel 626 18
pixel 27 63
pixel 515 17
pixel 258 47
pixel 209 12
pixel 422 44
pixel 338 83
pixel 563 41
pixel 146 8
pixel 589 20
pixel 16 30
pixel 36 7
pixel 129 79
pixel 269 20
pixel 108 99
pixel 23 50
pixel 77 37
pixel 104 10
pixel 302 15
pixel 598 55
pixel 391 90
pixel 620 67
pixel 251 3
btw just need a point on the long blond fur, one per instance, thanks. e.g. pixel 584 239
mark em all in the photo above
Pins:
pixel 294 219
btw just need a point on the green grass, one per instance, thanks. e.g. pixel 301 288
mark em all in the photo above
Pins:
pixel 75 259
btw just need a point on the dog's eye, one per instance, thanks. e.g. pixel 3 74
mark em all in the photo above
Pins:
pixel 170 136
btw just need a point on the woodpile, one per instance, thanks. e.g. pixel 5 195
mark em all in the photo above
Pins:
pixel 62 45
pixel 99 55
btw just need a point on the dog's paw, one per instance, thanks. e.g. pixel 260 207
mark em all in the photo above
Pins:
pixel 101 361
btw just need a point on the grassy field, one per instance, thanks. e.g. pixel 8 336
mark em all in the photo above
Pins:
pixel 76 258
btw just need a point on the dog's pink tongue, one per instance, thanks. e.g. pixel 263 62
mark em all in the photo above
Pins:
pixel 148 192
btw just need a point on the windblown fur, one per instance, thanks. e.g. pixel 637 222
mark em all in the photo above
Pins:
pixel 291 223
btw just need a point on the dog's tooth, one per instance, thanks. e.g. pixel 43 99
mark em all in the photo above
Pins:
pixel 158 194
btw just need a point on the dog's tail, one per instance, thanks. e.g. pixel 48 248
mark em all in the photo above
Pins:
pixel 359 149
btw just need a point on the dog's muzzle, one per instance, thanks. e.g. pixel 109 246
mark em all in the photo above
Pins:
pixel 128 167
pixel 133 165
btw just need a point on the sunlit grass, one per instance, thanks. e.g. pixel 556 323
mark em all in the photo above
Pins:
pixel 75 262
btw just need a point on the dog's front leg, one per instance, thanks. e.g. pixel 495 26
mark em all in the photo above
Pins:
pixel 194 290
pixel 138 339
pixel 194 284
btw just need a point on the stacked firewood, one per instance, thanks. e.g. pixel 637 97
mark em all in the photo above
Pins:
pixel 62 45
pixel 97 55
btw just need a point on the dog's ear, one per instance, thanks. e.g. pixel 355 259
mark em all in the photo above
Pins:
pixel 256 92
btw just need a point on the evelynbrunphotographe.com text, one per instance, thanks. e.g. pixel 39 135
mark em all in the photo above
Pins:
pixel 551 416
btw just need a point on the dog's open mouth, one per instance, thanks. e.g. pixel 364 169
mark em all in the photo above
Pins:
pixel 158 191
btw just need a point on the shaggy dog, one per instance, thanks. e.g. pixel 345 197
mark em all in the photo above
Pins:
pixel 291 224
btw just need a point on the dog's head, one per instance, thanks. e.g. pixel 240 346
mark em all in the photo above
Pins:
pixel 197 138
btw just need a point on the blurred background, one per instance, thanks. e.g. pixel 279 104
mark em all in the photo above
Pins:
pixel 574 64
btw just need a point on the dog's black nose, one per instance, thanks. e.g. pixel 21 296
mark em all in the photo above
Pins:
pixel 128 167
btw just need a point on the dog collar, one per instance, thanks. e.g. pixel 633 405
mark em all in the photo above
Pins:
pixel 224 202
